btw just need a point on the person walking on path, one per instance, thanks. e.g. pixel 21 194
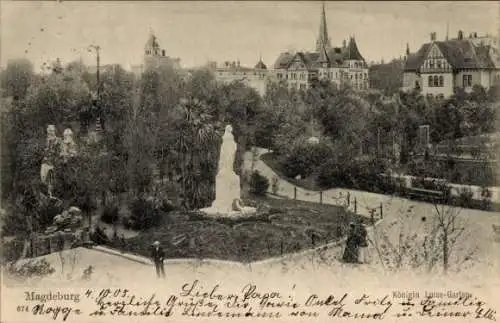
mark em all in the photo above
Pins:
pixel 158 256
pixel 351 251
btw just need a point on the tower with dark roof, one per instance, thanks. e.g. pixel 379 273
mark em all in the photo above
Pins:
pixel 323 40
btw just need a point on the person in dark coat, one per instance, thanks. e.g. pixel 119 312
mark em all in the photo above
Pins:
pixel 351 251
pixel 158 255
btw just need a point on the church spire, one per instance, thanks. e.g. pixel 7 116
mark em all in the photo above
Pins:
pixel 323 40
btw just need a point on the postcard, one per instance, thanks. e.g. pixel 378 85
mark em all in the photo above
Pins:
pixel 273 161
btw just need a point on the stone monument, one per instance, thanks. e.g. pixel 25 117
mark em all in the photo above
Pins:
pixel 52 148
pixel 227 183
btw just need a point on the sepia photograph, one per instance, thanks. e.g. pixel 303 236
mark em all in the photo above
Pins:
pixel 278 161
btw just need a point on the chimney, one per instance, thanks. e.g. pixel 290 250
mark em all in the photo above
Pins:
pixel 460 35
pixel 433 36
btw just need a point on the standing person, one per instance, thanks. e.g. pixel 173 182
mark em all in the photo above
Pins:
pixel 363 244
pixel 158 256
pixel 351 251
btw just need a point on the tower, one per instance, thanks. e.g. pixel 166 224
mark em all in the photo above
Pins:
pixel 323 40
pixel 152 47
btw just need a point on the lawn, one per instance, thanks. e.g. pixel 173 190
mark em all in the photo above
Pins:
pixel 279 227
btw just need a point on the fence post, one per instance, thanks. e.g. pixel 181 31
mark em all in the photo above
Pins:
pixel 312 239
pixel 381 211
pixel 281 248
pixel 355 205
pixel 372 215
pixel 348 199
pixel 320 197
pixel 295 192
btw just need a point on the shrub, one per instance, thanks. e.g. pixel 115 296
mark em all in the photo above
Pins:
pixel 305 158
pixel 99 236
pixel 12 250
pixel 465 197
pixel 110 214
pixel 258 184
pixel 30 269
pixel 145 214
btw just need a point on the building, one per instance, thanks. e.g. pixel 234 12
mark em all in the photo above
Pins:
pixel 255 77
pixel 341 65
pixel 154 57
pixel 440 66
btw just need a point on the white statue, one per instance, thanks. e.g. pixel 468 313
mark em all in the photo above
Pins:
pixel 68 148
pixel 52 147
pixel 227 184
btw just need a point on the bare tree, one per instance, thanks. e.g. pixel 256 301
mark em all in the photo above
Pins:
pixel 424 242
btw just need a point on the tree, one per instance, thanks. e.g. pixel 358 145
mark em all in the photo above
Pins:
pixel 57 99
pixel 17 78
pixel 198 148
pixel 425 242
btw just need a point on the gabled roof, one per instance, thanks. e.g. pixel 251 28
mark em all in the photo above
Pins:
pixel 333 56
pixel 284 60
pixel 352 51
pixel 261 65
pixel 461 54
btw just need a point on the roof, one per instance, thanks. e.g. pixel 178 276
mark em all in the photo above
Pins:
pixel 152 42
pixel 334 56
pixel 461 54
pixel 352 51
pixel 261 65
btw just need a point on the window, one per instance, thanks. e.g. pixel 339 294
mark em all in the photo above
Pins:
pixel 431 64
pixel 436 81
pixel 431 82
pixel 441 81
pixel 439 64
pixel 467 80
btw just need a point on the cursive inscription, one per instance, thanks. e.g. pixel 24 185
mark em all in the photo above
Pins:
pixel 195 300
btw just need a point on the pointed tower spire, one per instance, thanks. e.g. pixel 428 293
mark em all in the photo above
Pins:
pixel 323 40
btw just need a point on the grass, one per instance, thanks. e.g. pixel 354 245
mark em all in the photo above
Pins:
pixel 309 183
pixel 279 227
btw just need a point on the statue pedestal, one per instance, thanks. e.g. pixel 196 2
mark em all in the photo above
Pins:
pixel 229 213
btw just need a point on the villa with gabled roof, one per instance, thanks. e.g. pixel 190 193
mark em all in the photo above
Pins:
pixel 439 67
pixel 340 65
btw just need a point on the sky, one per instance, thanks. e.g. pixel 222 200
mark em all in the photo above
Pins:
pixel 198 32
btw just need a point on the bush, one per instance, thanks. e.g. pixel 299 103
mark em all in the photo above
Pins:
pixel 145 214
pixel 99 236
pixel 110 214
pixel 305 158
pixel 258 184
pixel 30 269
pixel 12 250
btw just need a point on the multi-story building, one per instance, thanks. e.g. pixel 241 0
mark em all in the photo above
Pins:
pixel 154 57
pixel 255 77
pixel 439 67
pixel 340 65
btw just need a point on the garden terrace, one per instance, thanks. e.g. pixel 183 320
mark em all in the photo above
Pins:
pixel 279 227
